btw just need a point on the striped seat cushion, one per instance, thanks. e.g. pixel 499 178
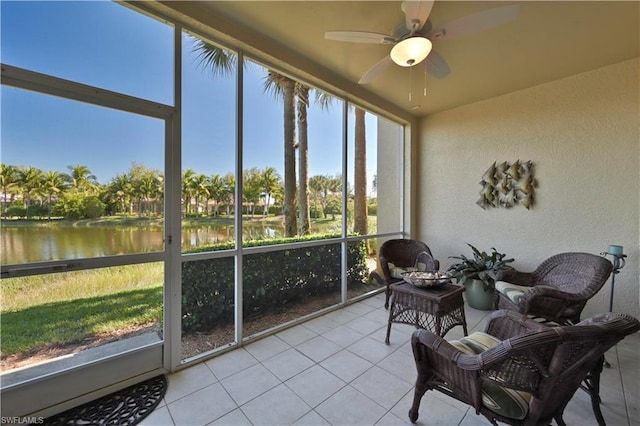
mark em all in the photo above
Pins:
pixel 503 401
pixel 515 292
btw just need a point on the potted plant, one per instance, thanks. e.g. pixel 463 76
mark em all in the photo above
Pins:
pixel 478 275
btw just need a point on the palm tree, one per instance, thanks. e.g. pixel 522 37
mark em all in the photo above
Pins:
pixel 53 183
pixel 9 183
pixel 157 194
pixel 280 85
pixel 30 181
pixel 120 190
pixel 251 188
pixel 222 62
pixel 219 61
pixel 269 181
pixel 146 185
pixel 360 223
pixel 215 188
pixel 149 189
pixel 187 189
pixel 324 100
pixel 277 195
pixel 199 189
pixel 319 184
pixel 81 179
pixel 229 190
pixel 302 94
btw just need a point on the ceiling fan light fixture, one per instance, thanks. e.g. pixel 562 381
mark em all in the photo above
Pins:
pixel 411 51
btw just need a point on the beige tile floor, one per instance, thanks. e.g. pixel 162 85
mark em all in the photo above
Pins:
pixel 336 370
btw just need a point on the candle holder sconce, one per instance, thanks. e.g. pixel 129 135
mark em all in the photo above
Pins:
pixel 618 263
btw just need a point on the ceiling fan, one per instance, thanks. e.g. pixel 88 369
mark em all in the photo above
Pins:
pixel 413 39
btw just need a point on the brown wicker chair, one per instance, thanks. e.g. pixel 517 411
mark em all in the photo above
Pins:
pixel 398 255
pixel 557 290
pixel 548 363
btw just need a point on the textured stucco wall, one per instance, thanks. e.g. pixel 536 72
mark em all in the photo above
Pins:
pixel 389 175
pixel 582 133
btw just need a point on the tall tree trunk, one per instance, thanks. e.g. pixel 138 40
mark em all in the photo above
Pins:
pixel 360 225
pixel 303 159
pixel 324 203
pixel 290 226
pixel 265 213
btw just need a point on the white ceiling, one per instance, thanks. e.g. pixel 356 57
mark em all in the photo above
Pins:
pixel 548 41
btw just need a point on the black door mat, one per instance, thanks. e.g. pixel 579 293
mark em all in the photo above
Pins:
pixel 123 408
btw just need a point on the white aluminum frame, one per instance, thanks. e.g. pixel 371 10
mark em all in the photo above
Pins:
pixel 62 389
pixel 59 391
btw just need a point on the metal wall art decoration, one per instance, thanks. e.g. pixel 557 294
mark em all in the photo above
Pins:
pixel 507 185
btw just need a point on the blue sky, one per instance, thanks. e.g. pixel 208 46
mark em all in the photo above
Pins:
pixel 110 46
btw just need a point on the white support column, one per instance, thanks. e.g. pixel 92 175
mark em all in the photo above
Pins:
pixel 238 198
pixel 173 223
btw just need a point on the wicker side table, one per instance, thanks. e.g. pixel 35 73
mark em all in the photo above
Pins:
pixel 437 309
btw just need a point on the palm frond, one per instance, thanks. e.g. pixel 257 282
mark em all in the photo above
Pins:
pixel 219 61
pixel 274 84
pixel 323 99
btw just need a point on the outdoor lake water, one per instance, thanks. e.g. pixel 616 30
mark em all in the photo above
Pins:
pixel 26 244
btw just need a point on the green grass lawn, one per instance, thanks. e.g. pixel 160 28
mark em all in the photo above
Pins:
pixel 41 310
pixel 38 311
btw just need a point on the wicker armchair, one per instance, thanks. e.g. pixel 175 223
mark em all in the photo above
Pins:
pixel 557 290
pixel 520 372
pixel 401 255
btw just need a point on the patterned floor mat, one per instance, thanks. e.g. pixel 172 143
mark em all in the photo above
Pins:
pixel 123 408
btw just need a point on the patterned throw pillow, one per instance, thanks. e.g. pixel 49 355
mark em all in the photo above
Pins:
pixel 397 271
pixel 424 262
pixel 501 400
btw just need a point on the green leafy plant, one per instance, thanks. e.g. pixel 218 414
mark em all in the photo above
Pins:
pixel 272 281
pixel 483 266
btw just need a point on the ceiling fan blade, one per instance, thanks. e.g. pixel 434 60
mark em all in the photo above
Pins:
pixel 359 37
pixel 373 72
pixel 416 13
pixel 437 66
pixel 475 22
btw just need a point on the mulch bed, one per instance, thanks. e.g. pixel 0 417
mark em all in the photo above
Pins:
pixel 192 343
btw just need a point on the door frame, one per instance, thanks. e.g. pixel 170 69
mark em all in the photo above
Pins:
pixel 53 392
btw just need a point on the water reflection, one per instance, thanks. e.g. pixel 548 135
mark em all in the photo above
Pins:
pixel 26 244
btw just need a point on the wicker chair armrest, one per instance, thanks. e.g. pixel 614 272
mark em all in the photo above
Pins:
pixel 384 264
pixel 519 362
pixel 537 294
pixel 527 279
pixel 504 324
pixel 514 363
pixel 442 349
pixel 451 357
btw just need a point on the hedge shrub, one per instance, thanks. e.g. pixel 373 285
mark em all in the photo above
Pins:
pixel 271 281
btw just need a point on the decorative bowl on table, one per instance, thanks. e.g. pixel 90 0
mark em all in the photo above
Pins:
pixel 427 279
